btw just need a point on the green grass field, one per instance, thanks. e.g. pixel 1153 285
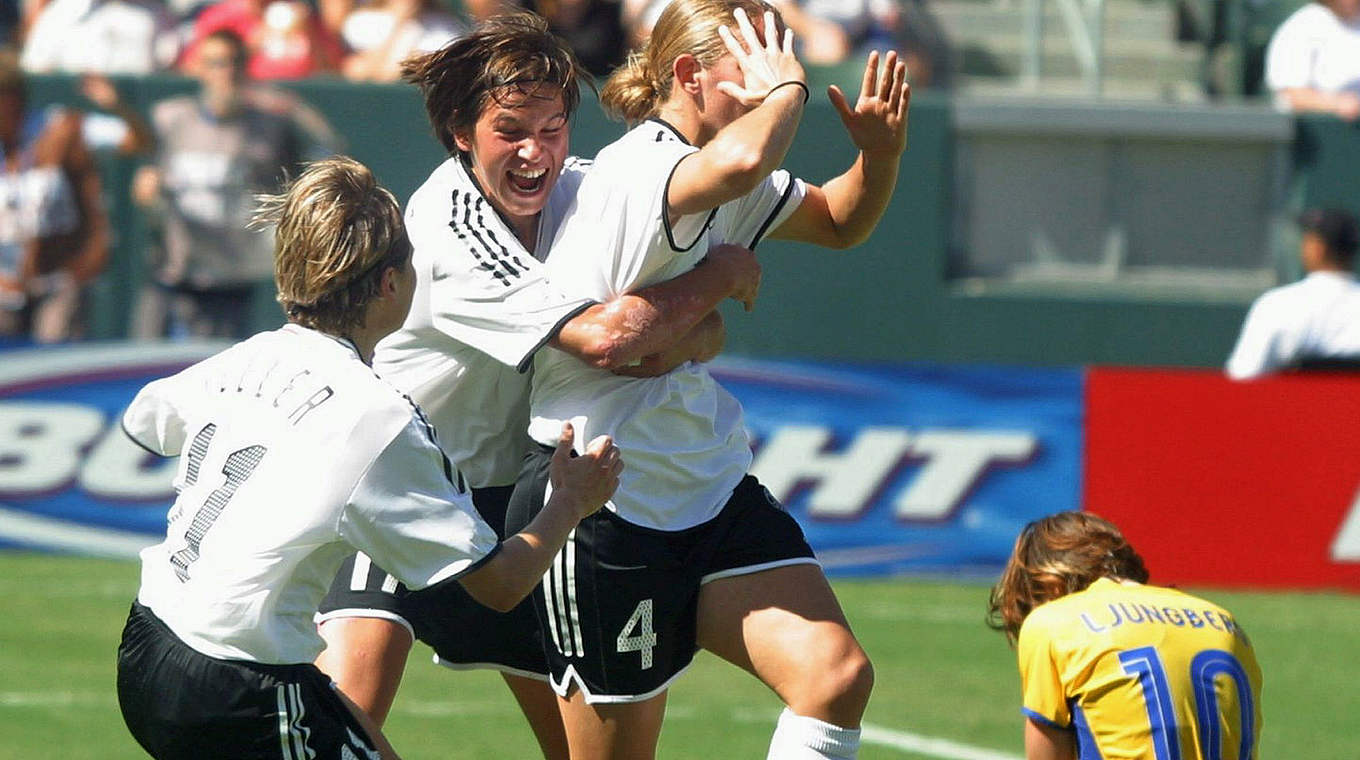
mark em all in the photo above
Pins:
pixel 941 675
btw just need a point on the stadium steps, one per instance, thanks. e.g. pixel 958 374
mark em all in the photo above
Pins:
pixel 1142 58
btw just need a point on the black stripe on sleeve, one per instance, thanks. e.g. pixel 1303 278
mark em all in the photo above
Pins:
pixel 499 252
pixel 458 229
pixel 778 207
pixel 666 214
pixel 528 360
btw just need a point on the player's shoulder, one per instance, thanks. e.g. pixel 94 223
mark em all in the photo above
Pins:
pixel 650 141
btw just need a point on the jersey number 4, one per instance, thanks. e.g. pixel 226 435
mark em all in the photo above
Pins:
pixel 1145 663
pixel 238 466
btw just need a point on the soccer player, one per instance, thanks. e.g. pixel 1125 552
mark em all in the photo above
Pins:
pixel 691 550
pixel 1113 667
pixel 500 100
pixel 293 454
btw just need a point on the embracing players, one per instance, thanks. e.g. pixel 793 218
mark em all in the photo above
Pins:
pixel 500 101
pixel 292 454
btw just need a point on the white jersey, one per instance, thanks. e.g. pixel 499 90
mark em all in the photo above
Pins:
pixel 681 434
pixel 293 454
pixel 1314 49
pixel 1317 317
pixel 482 307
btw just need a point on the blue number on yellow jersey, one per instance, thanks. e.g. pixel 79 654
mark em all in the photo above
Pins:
pixel 1142 672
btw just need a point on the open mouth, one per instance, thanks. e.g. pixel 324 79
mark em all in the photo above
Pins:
pixel 527 180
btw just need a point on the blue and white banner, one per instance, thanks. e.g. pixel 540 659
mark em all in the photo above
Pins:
pixel 913 468
pixel 889 469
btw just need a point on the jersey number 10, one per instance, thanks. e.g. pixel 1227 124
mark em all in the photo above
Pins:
pixel 1145 663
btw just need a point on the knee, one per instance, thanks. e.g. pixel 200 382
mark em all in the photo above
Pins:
pixel 837 686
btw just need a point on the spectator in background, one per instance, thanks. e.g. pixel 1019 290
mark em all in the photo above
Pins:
pixel 284 38
pixel 593 29
pixel 381 35
pixel 53 230
pixel 1314 320
pixel 217 149
pixel 100 36
pixel 1313 61
pixel 829 32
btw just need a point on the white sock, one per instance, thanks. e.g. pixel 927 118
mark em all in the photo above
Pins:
pixel 800 738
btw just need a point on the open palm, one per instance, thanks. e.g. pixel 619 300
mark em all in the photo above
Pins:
pixel 878 121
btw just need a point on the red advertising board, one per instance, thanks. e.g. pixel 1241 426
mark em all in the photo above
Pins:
pixel 1226 483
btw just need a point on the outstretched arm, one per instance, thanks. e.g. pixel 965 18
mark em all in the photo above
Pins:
pixel 842 212
pixel 657 320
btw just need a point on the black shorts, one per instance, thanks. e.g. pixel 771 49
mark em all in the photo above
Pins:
pixel 619 605
pixel 463 633
pixel 180 703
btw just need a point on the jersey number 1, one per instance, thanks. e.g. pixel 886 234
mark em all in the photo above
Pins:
pixel 239 465
pixel 1145 663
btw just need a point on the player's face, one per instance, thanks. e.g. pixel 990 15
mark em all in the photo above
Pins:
pixel 517 146
pixel 721 109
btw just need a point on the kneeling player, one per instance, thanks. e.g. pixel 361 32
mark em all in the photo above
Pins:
pixel 1111 667
pixel 294 454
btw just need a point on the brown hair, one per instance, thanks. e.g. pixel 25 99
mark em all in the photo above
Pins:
pixel 1058 555
pixel 514 52
pixel 637 89
pixel 337 230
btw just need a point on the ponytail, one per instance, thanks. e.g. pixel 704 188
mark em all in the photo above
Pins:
pixel 632 93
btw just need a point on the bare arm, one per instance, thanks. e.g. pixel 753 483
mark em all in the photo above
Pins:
pixel 661 317
pixel 1045 742
pixel 102 92
pixel 1345 105
pixel 743 153
pixel 842 212
pixel 702 344
pixel 581 485
pixel 85 178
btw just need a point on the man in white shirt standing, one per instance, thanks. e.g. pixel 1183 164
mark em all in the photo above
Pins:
pixel 1313 61
pixel 1316 319
pixel 295 453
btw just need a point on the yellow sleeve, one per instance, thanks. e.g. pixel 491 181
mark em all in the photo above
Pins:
pixel 1041 684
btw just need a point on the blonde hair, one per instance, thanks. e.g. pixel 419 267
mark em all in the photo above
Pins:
pixel 636 90
pixel 1055 556
pixel 336 231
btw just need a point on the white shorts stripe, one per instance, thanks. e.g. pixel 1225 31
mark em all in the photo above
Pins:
pixel 550 606
pixel 284 744
pixel 571 593
pixel 565 647
pixel 358 578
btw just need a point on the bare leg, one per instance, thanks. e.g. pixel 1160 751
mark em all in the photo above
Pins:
pixel 785 627
pixel 366 658
pixel 626 731
pixel 539 704
pixel 375 733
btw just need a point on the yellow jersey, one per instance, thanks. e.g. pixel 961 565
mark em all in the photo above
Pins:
pixel 1142 672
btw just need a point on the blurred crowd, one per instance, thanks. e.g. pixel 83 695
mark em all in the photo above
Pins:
pixel 205 155
pixel 365 40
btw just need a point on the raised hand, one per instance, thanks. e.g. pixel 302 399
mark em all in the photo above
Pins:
pixel 878 121
pixel 764 66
